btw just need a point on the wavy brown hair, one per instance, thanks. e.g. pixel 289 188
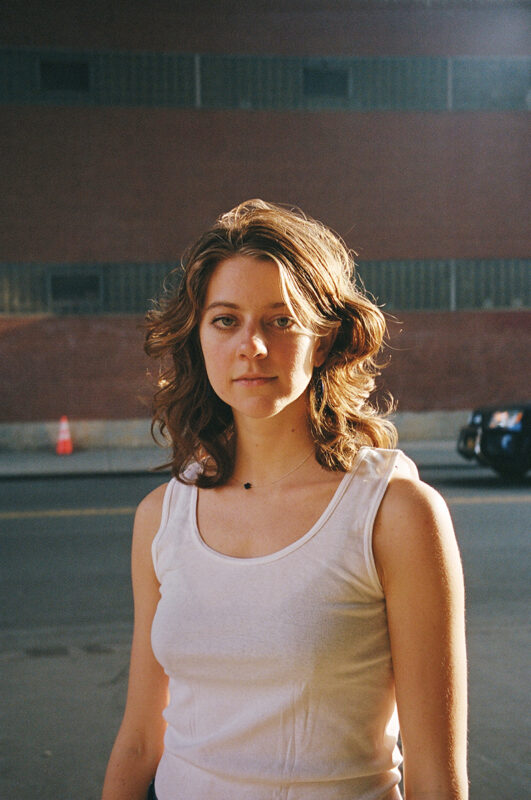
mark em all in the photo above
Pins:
pixel 318 278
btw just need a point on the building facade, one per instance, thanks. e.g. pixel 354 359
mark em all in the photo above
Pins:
pixel 128 127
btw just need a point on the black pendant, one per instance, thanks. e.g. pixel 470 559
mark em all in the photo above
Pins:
pixel 247 485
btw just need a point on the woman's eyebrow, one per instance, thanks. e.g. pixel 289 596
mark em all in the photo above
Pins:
pixel 227 304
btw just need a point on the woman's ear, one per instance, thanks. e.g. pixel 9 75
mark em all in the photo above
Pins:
pixel 323 346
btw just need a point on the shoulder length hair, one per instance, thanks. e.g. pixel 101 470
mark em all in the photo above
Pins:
pixel 318 279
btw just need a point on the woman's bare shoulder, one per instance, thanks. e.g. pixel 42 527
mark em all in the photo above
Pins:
pixel 407 495
pixel 413 524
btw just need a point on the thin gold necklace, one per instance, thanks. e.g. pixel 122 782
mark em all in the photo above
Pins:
pixel 249 485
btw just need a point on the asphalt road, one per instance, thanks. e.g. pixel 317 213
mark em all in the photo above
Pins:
pixel 65 622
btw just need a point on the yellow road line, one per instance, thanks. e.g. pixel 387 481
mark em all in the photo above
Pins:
pixel 464 500
pixel 68 512
pixel 478 499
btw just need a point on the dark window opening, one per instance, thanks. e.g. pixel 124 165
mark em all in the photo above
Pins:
pixel 75 293
pixel 65 76
pixel 319 82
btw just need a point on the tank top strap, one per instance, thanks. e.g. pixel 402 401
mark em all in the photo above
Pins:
pixel 374 469
pixel 358 507
pixel 177 508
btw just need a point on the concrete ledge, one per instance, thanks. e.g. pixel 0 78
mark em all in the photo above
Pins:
pixel 429 425
pixel 135 433
pixel 86 434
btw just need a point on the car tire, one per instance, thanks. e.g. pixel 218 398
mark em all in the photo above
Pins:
pixel 510 473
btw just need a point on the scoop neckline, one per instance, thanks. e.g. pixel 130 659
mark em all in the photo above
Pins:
pixel 284 551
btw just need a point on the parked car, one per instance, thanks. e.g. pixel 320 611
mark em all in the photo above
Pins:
pixel 499 437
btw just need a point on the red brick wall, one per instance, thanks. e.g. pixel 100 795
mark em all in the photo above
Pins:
pixel 453 360
pixel 85 367
pixel 138 184
pixel 291 27
pixel 94 368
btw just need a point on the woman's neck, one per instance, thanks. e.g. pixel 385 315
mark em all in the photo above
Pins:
pixel 268 449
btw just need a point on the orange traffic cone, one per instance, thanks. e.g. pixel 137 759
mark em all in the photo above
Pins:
pixel 64 445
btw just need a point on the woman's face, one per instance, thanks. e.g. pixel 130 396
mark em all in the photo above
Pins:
pixel 258 359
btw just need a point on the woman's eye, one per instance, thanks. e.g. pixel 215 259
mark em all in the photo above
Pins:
pixel 283 322
pixel 223 322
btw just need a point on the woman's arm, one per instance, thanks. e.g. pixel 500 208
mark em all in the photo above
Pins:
pixel 418 562
pixel 138 746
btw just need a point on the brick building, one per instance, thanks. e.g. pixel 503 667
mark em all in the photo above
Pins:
pixel 127 127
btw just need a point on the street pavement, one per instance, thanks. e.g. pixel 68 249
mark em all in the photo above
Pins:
pixel 66 684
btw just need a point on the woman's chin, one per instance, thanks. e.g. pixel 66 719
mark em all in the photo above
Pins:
pixel 261 409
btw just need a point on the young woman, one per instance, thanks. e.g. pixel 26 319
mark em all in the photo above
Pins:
pixel 298 590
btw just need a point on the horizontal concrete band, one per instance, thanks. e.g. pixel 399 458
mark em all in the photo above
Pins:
pixel 135 433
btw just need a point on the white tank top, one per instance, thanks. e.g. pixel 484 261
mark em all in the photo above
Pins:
pixel 280 673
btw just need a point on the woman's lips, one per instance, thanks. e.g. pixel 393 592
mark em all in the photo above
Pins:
pixel 254 380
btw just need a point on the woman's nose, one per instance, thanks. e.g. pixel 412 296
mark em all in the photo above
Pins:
pixel 253 344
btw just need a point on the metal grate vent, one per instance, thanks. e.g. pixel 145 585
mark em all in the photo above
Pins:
pixel 129 288
pixel 322 82
pixel 64 76
pixel 262 82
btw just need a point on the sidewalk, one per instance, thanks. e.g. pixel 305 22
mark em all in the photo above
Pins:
pixel 122 460
pixel 126 446
pixel 138 460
